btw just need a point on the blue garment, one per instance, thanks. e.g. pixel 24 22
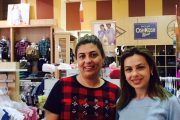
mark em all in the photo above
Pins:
pixel 40 89
pixel 41 61
pixel 44 46
pixel 4 45
pixel 5 116
pixel 149 109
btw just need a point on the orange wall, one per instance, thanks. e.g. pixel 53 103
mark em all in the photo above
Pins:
pixel 44 9
pixel 104 10
pixel 73 16
pixel 120 8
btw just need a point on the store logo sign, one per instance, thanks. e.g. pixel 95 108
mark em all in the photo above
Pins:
pixel 145 31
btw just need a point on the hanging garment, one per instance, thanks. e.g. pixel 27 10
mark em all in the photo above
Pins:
pixel 20 49
pixel 32 53
pixel 44 47
pixel 4 45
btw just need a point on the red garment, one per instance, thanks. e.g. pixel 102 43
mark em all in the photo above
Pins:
pixel 115 74
pixel 21 48
pixel 70 100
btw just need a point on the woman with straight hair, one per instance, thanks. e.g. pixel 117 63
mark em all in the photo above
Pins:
pixel 142 95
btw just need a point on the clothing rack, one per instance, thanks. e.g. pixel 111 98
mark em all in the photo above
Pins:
pixel 172 84
pixel 167 78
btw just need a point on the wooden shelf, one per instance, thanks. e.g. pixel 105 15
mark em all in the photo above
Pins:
pixel 6 81
pixel 33 23
pixel 12 70
pixel 66 41
pixel 34 32
pixel 13 85
pixel 10 67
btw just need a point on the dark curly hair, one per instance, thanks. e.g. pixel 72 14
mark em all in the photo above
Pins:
pixel 90 39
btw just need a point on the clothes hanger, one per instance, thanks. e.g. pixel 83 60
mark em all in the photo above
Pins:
pixel 43 58
pixel 43 38
pixel 23 59
pixel 23 39
pixel 3 38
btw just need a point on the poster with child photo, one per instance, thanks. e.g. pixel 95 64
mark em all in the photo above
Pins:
pixel 18 14
pixel 105 31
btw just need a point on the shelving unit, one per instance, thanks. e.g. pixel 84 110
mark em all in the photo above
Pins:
pixel 33 32
pixel 65 41
pixel 165 58
pixel 10 69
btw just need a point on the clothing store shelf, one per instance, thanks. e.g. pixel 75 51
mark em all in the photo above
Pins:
pixel 10 74
pixel 6 81
pixel 12 70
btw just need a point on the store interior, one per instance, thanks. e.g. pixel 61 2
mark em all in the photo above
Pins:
pixel 37 48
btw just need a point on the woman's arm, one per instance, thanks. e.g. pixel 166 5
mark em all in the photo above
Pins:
pixel 52 105
pixel 51 116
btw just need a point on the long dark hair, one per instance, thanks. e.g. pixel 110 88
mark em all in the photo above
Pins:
pixel 154 89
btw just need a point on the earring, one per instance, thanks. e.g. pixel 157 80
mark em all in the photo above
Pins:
pixel 152 73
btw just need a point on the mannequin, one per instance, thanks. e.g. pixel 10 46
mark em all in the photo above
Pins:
pixel 4 49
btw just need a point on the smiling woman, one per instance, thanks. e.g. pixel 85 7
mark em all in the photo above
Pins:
pixel 142 91
pixel 84 96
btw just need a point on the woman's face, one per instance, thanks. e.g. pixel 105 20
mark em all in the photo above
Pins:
pixel 137 72
pixel 89 60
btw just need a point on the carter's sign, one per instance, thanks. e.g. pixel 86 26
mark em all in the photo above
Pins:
pixel 145 31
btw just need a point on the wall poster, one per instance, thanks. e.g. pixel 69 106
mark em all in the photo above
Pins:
pixel 105 31
pixel 18 14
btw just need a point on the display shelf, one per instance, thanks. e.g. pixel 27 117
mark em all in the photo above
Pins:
pixel 10 69
pixel 33 32
pixel 165 56
pixel 6 81
pixel 63 42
